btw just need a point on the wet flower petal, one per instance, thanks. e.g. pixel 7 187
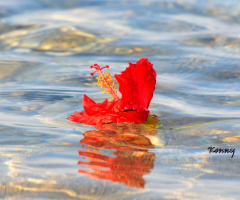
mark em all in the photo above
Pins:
pixel 136 84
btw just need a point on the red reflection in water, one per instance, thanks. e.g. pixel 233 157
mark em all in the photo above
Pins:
pixel 130 160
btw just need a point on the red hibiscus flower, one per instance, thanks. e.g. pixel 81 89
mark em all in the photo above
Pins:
pixel 136 84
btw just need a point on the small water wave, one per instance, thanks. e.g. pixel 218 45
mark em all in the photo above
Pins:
pixel 46 51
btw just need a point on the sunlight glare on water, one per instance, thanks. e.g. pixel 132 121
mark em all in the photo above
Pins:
pixel 47 48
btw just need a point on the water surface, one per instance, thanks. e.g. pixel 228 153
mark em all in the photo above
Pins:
pixel 46 50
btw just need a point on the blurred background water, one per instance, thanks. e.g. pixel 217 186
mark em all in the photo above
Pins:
pixel 46 48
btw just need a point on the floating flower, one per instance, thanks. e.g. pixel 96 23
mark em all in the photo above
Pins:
pixel 136 85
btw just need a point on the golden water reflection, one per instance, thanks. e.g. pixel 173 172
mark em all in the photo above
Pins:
pixel 128 160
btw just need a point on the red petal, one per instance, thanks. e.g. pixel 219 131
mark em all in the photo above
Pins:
pixel 108 112
pixel 111 117
pixel 137 82
pixel 90 106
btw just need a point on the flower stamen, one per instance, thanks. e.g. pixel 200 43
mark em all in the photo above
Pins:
pixel 105 81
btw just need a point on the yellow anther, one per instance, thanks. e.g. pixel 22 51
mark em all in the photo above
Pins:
pixel 106 81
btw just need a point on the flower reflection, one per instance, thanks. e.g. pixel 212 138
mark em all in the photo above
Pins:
pixel 129 160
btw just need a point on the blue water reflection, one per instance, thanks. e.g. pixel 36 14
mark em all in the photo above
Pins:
pixel 46 50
